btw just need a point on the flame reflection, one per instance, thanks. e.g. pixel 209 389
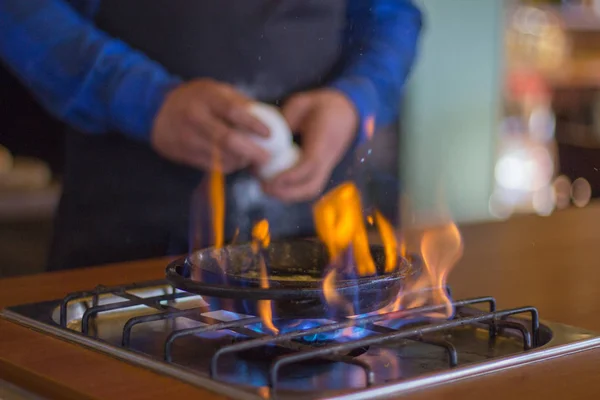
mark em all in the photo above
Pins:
pixel 391 362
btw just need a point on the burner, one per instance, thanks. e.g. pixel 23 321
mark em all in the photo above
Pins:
pixel 267 354
pixel 270 352
pixel 339 335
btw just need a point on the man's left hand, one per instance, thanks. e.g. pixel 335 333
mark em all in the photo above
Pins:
pixel 327 122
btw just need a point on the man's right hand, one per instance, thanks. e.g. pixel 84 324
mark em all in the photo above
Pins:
pixel 203 116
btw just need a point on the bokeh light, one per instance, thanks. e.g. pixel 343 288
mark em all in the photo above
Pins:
pixel 562 192
pixel 581 192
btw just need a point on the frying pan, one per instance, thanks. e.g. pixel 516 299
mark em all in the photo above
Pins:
pixel 229 279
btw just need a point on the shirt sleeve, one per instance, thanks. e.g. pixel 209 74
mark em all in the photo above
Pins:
pixel 81 75
pixel 380 45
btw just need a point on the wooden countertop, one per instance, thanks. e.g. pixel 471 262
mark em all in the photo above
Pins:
pixel 552 263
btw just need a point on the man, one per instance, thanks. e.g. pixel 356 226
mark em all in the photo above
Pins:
pixel 150 86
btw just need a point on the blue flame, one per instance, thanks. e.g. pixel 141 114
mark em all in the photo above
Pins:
pixel 339 335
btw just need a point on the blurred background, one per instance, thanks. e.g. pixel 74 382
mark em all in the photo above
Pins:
pixel 501 118
pixel 502 113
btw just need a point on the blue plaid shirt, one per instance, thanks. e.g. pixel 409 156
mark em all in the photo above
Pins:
pixel 97 83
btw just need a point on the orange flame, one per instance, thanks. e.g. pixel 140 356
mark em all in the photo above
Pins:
pixel 332 297
pixel 390 244
pixel 441 248
pixel 236 236
pixel 339 224
pixel 217 200
pixel 403 249
pixel 261 238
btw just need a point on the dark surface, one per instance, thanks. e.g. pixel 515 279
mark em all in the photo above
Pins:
pixel 581 162
pixel 576 125
pixel 25 128
pixel 23 247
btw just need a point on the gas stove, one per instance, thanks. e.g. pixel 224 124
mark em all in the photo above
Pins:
pixel 175 333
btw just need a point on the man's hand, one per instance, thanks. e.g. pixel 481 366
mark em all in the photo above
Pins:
pixel 328 122
pixel 203 116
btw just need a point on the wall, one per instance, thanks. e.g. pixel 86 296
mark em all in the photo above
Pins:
pixel 452 113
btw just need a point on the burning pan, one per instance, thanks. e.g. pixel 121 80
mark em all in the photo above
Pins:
pixel 229 279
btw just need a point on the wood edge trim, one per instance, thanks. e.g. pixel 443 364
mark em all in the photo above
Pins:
pixel 37 383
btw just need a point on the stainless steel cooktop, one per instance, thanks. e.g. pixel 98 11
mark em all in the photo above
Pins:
pixel 172 332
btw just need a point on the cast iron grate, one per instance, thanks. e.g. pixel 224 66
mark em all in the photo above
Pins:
pixel 466 314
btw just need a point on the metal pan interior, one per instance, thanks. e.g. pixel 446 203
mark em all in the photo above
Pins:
pixel 297 265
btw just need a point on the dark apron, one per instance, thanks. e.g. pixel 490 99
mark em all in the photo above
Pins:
pixel 121 201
